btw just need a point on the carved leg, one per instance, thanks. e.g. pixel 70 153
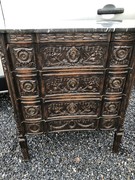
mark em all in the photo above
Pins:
pixel 24 147
pixel 117 140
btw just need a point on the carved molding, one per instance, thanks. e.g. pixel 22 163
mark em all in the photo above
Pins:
pixel 77 84
pixel 2 57
pixel 74 56
pixel 16 38
pixel 83 123
pixel 72 108
pixel 108 123
pixel 65 37
pixel 36 127
pixel 124 36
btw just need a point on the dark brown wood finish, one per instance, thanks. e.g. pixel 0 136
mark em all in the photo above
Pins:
pixel 68 80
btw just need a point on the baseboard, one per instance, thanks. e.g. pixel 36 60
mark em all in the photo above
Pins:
pixel 3 84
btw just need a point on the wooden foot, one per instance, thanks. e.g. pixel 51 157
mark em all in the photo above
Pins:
pixel 24 147
pixel 117 141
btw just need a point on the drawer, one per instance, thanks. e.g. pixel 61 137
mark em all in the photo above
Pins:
pixel 72 107
pixel 120 55
pixel 72 82
pixel 115 82
pixel 20 38
pixel 123 36
pixel 31 110
pixel 109 123
pixel 34 127
pixel 27 85
pixel 22 56
pixel 71 55
pixel 111 106
pixel 72 37
pixel 84 123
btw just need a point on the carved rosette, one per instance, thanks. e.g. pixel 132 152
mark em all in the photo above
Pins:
pixel 115 84
pixel 58 125
pixel 111 108
pixel 108 123
pixel 73 55
pixel 35 128
pixel 121 55
pixel 24 57
pixel 28 87
pixel 69 84
pixel 32 112
pixel 73 108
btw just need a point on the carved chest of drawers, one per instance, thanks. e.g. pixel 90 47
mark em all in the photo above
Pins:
pixel 66 80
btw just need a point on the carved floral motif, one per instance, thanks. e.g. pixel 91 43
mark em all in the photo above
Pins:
pixel 73 108
pixel 74 56
pixel 70 84
pixel 108 123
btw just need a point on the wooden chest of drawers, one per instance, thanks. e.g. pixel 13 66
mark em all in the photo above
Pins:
pixel 68 80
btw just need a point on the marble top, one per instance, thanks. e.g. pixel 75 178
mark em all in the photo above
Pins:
pixel 73 15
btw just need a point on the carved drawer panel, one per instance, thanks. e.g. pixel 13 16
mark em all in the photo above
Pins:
pixel 123 36
pixel 20 38
pixel 111 106
pixel 72 55
pixel 27 85
pixel 70 37
pixel 22 56
pixel 109 123
pixel 84 123
pixel 120 55
pixel 81 82
pixel 34 127
pixel 31 110
pixel 115 82
pixel 73 107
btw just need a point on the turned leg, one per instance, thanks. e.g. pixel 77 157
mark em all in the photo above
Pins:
pixel 117 140
pixel 24 147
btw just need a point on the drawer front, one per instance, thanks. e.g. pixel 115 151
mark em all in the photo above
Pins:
pixel 85 123
pixel 73 55
pixel 72 108
pixel 109 123
pixel 120 55
pixel 115 82
pixel 34 127
pixel 72 37
pixel 64 83
pixel 31 110
pixel 22 56
pixel 111 106
pixel 27 85
pixel 123 36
